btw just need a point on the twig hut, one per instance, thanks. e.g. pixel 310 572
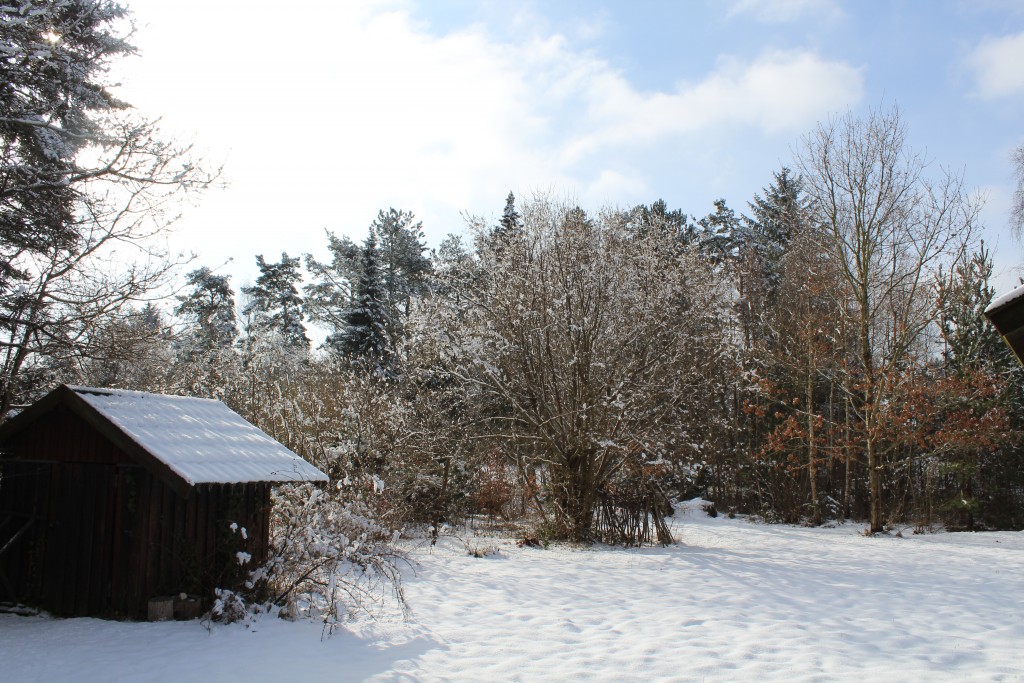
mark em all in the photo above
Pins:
pixel 109 498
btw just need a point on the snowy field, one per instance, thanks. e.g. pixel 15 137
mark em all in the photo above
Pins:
pixel 734 601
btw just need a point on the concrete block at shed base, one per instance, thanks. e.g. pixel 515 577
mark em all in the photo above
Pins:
pixel 161 608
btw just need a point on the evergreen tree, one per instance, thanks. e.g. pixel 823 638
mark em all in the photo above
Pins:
pixel 976 407
pixel 402 271
pixel 508 229
pixel 404 266
pixel 721 232
pixel 777 218
pixel 333 290
pixel 510 224
pixel 365 335
pixel 274 301
pixel 674 224
pixel 763 272
pixel 80 172
pixel 52 102
pixel 963 295
pixel 209 309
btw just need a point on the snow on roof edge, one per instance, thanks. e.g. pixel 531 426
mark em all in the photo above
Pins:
pixel 139 394
pixel 1005 299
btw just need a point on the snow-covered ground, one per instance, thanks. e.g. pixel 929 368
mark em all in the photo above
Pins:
pixel 734 601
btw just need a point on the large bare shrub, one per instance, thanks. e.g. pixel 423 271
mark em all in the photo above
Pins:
pixel 583 339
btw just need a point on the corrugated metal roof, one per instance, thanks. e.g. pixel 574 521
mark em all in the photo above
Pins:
pixel 200 439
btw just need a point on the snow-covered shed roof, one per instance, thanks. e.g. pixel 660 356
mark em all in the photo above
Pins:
pixel 1005 299
pixel 1006 313
pixel 199 440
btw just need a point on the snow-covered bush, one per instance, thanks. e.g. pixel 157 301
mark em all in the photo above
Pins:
pixel 397 436
pixel 327 559
pixel 228 606
pixel 328 555
pixel 580 345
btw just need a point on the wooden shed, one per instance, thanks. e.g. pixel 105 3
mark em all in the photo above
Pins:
pixel 109 498
pixel 1006 313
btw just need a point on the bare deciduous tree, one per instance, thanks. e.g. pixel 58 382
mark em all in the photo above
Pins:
pixel 1017 209
pixel 888 226
pixel 589 338
pixel 112 256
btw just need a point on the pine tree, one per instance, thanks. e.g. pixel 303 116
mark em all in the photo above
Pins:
pixel 209 310
pixel 332 292
pixel 764 242
pixel 975 405
pixel 493 242
pixel 52 102
pixel 274 301
pixel 80 172
pixel 510 224
pixel 404 266
pixel 403 271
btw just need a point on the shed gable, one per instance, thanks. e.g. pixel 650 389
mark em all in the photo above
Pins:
pixel 63 436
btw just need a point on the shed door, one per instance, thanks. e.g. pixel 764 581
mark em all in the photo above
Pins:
pixel 81 539
pixel 24 492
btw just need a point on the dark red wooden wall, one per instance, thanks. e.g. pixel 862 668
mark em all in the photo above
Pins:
pixel 106 534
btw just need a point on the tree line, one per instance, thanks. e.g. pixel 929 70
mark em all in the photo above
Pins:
pixel 822 357
pixel 819 355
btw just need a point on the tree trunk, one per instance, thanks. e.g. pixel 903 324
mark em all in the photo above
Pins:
pixel 870 396
pixel 812 469
pixel 574 499
pixel 874 476
pixel 846 458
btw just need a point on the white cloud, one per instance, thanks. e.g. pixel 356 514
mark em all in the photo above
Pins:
pixel 785 11
pixel 998 64
pixel 331 115
pixel 611 183
pixel 780 91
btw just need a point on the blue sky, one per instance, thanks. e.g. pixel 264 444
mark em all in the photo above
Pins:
pixel 327 113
